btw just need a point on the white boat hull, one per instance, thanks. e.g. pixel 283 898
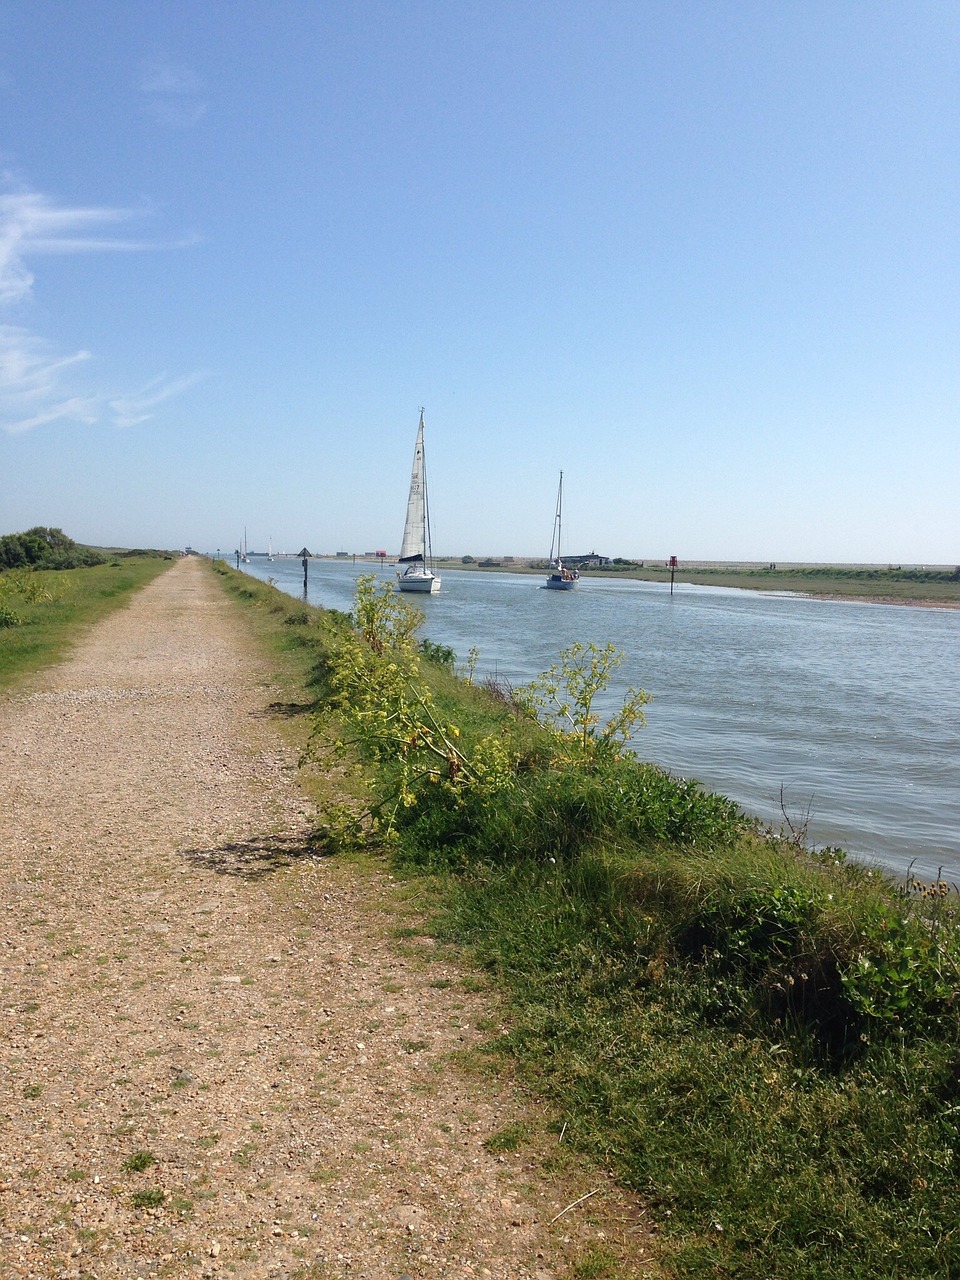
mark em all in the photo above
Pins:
pixel 424 583
pixel 556 583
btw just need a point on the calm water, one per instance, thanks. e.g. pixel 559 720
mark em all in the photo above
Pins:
pixel 853 709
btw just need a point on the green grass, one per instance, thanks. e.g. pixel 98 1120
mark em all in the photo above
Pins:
pixel 47 627
pixel 760 1040
pixel 760 1152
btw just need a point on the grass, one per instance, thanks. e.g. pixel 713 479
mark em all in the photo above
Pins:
pixel 54 607
pixel 759 1040
pixel 760 1153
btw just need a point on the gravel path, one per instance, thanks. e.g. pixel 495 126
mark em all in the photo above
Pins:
pixel 218 1060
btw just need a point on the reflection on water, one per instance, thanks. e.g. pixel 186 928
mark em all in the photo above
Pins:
pixel 852 709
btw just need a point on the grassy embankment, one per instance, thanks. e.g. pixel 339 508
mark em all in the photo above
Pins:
pixel 43 611
pixel 761 1040
pixel 868 583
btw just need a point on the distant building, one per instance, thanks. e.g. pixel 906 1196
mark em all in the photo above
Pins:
pixel 590 561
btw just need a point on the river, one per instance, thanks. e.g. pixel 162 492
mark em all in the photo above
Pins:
pixel 853 710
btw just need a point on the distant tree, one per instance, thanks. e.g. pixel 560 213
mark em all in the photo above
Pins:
pixel 43 548
pixel 55 539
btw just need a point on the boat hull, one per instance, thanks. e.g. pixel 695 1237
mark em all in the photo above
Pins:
pixel 422 583
pixel 556 583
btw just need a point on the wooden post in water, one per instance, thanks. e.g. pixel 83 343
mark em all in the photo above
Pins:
pixel 673 570
pixel 238 559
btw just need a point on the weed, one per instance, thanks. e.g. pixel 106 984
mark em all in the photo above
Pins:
pixel 139 1161
pixel 440 655
pixel 151 1198
pixel 566 694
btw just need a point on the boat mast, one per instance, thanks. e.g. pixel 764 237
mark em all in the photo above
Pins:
pixel 427 545
pixel 557 524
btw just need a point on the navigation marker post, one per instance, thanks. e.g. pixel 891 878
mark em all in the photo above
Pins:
pixel 305 561
pixel 672 566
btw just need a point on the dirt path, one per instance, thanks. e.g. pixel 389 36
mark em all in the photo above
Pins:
pixel 184 992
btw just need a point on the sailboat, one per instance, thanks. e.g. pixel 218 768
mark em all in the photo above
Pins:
pixel 559 578
pixel 245 556
pixel 416 552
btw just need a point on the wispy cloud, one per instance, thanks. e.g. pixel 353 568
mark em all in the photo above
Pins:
pixel 172 95
pixel 30 224
pixel 32 378
pixel 39 385
pixel 129 410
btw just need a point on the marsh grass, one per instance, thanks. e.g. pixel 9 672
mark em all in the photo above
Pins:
pixel 52 608
pixel 759 1039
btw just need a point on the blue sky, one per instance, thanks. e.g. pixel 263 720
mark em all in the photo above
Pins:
pixel 702 256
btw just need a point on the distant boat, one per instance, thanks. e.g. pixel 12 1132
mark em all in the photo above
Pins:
pixel 245 558
pixel 559 578
pixel 416 552
pixel 270 548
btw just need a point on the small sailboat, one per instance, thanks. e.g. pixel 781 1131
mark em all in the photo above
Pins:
pixel 245 557
pixel 270 548
pixel 559 578
pixel 416 552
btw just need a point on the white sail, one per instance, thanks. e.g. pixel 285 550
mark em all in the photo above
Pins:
pixel 415 551
pixel 414 546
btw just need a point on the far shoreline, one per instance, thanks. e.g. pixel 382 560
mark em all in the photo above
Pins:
pixel 937 588
pixel 840 583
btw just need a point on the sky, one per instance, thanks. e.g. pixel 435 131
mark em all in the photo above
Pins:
pixel 700 256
